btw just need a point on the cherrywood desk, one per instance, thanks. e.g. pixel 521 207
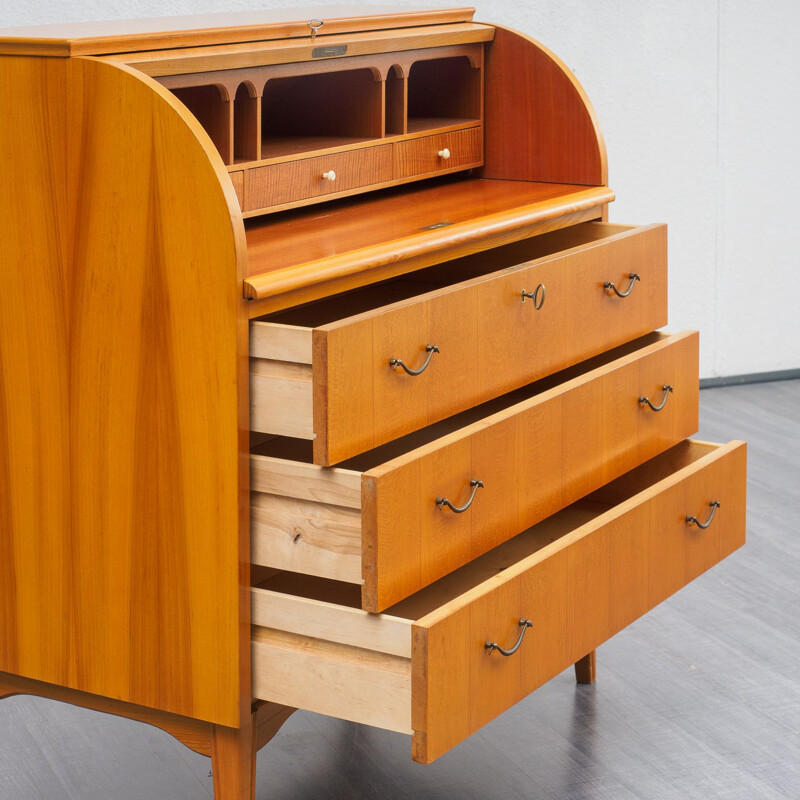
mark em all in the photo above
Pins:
pixel 325 382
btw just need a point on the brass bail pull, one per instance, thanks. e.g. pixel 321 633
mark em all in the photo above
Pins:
pixel 315 25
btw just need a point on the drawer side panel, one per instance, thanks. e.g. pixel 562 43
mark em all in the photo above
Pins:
pixel 345 682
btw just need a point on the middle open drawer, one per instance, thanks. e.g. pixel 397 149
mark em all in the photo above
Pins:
pixel 399 517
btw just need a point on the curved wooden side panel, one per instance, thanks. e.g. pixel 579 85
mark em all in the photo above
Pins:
pixel 123 395
pixel 539 123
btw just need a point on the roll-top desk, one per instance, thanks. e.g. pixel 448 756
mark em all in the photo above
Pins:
pixel 325 382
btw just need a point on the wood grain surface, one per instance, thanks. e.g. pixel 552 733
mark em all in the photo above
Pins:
pixel 123 422
pixel 333 622
pixel 540 125
pixel 421 156
pixel 233 751
pixel 305 255
pixel 336 679
pixel 184 61
pixel 158 33
pixel 297 180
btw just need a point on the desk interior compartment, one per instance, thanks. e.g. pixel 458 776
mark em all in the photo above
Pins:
pixel 212 108
pixel 444 92
pixel 301 113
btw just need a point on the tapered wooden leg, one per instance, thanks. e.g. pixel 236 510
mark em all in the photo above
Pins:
pixel 233 762
pixel 585 668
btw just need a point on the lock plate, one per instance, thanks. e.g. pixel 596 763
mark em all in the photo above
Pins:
pixel 329 52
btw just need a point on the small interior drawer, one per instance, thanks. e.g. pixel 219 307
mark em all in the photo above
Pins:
pixel 280 184
pixel 330 371
pixel 439 153
pixel 399 517
pixel 423 668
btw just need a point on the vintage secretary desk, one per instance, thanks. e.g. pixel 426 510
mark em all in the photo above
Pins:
pixel 324 381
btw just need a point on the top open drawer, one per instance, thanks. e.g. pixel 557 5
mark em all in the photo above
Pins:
pixel 357 370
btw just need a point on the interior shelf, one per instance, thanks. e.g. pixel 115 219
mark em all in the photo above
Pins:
pixel 442 92
pixel 312 112
pixel 419 124
pixel 409 226
pixel 278 146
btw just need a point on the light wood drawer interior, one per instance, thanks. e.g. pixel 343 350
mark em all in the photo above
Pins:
pixel 580 576
pixel 277 184
pixel 379 520
pixel 439 153
pixel 324 371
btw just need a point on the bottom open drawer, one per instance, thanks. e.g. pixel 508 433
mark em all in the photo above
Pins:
pixel 423 666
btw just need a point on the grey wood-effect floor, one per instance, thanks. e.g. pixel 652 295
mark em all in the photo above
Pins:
pixel 699 699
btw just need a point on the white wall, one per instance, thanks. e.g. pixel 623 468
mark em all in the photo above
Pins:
pixel 699 101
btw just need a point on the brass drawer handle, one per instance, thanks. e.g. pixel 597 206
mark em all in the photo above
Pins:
pixel 610 287
pixel 692 520
pixel 491 646
pixel 645 401
pixel 441 502
pixel 430 349
pixel 538 299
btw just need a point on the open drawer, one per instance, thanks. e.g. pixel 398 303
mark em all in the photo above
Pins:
pixel 401 516
pixel 357 370
pixel 580 576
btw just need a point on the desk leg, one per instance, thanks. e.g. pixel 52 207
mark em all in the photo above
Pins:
pixel 585 668
pixel 233 751
pixel 233 761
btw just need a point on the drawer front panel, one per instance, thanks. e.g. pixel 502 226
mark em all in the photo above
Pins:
pixel 278 184
pixel 531 459
pixel 439 153
pixel 489 339
pixel 577 593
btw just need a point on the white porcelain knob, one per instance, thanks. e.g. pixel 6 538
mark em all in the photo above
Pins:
pixel 444 153
pixel 329 176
